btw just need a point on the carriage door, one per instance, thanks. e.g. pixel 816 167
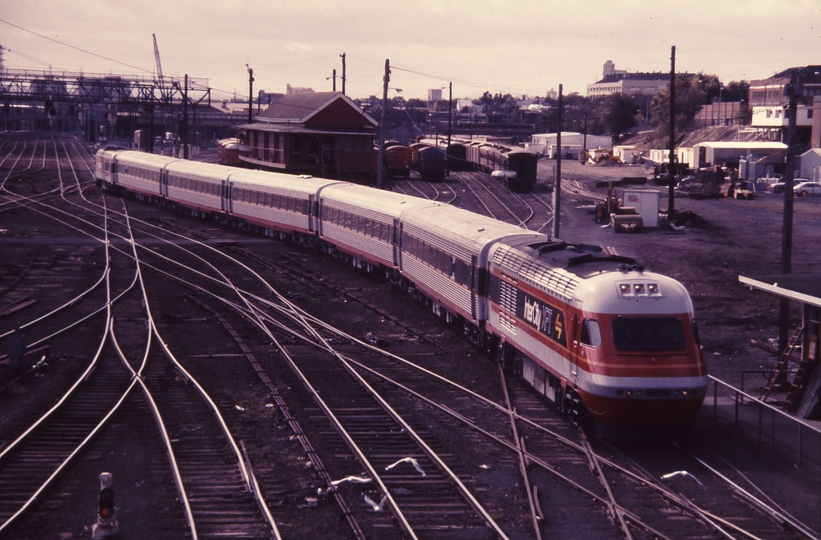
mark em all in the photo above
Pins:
pixel 396 238
pixel 163 181
pixel 229 197
pixel 474 278
pixel 313 213
pixel 575 347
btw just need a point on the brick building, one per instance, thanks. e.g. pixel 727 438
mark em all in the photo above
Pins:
pixel 322 134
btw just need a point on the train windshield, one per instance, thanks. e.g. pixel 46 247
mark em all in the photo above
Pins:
pixel 656 334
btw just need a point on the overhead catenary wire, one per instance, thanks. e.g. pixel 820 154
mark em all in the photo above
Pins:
pixel 75 48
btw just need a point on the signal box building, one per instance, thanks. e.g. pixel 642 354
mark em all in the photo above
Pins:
pixel 322 134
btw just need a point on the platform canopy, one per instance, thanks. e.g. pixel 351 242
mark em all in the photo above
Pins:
pixel 804 288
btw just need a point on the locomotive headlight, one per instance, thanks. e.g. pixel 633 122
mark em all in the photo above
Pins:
pixel 624 288
pixel 685 392
pixel 639 288
pixel 652 288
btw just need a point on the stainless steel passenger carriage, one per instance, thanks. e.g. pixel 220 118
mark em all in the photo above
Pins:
pixel 138 172
pixel 444 252
pixel 362 221
pixel 276 201
pixel 197 185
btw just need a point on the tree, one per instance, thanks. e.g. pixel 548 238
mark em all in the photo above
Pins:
pixel 689 99
pixel 737 91
pixel 620 111
pixel 710 86
pixel 486 99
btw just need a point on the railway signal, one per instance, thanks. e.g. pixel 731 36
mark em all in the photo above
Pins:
pixel 106 525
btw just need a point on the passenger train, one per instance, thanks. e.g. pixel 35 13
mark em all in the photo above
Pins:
pixel 606 341
pixel 514 167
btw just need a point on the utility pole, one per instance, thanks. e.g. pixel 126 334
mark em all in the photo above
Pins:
pixel 584 143
pixel 250 94
pixel 557 187
pixel 343 72
pixel 185 119
pixel 671 210
pixel 382 122
pixel 793 90
pixel 334 76
pixel 450 109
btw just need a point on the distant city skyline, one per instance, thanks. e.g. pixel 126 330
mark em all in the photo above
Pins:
pixel 526 48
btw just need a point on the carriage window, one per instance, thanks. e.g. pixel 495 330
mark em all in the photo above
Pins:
pixel 648 334
pixel 591 333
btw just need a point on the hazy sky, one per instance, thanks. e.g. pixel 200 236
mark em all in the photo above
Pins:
pixel 526 47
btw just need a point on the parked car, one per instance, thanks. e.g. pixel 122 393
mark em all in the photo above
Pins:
pixel 807 189
pixel 780 186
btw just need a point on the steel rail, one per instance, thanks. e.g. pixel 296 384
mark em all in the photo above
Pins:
pixel 138 375
pixel 69 393
pixel 349 440
pixel 774 513
pixel 710 519
pixel 175 470
pixel 478 198
pixel 510 446
pixel 481 182
pixel 420 441
pixel 594 462
pixel 435 189
pixel 80 380
pixel 243 466
pixel 283 408
pixel 340 429
pixel 684 504
pixel 534 518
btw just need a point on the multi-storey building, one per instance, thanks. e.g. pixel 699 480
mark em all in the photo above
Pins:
pixel 620 81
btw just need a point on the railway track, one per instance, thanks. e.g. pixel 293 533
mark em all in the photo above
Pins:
pixel 520 443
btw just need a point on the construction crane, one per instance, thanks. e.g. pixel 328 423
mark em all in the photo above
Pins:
pixel 157 58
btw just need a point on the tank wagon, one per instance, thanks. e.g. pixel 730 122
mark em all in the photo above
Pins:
pixel 611 344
